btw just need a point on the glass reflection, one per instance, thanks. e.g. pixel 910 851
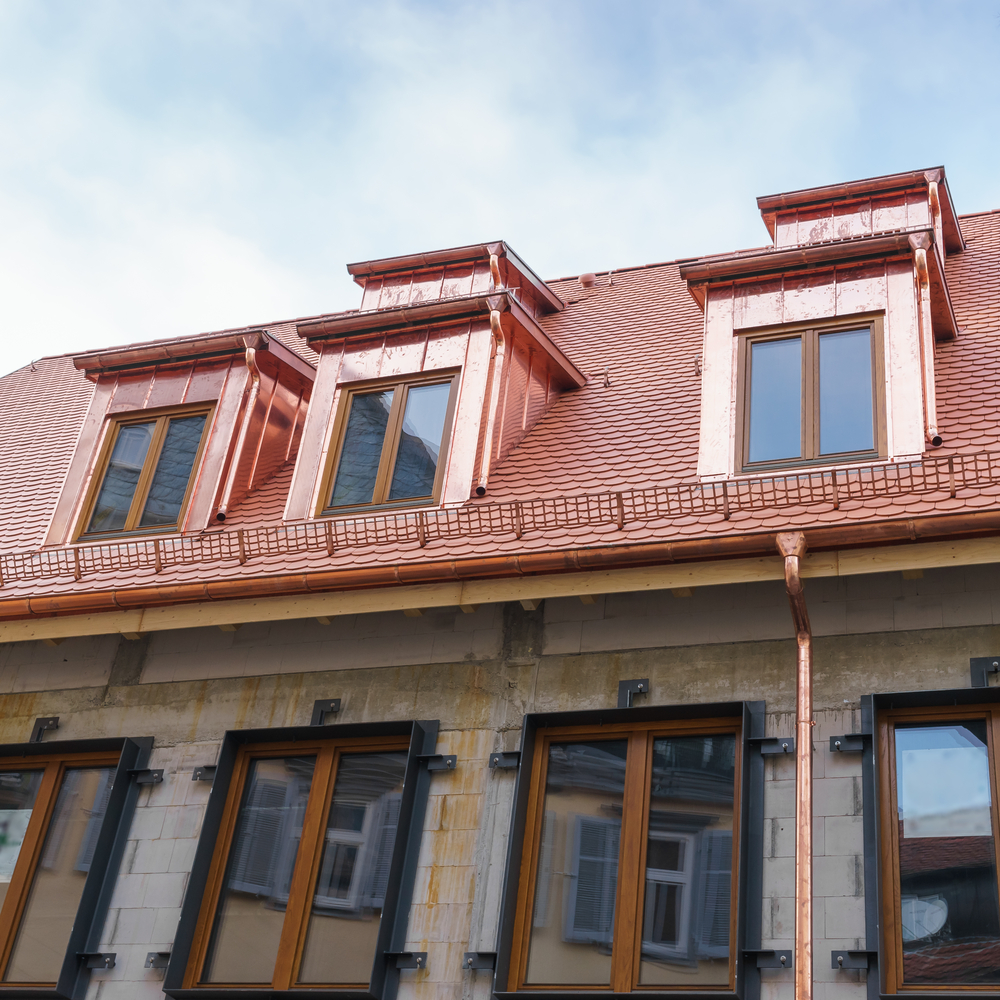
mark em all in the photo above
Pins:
pixel 57 885
pixel 775 399
pixel 845 392
pixel 173 471
pixel 354 869
pixel 577 874
pixel 251 909
pixel 420 441
pixel 689 860
pixel 124 467
pixel 362 450
pixel 950 912
pixel 18 790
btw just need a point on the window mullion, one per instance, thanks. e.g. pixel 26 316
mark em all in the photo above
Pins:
pixel 627 943
pixel 390 445
pixel 24 870
pixel 304 871
pixel 146 476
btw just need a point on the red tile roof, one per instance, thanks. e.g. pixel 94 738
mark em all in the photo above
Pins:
pixel 633 426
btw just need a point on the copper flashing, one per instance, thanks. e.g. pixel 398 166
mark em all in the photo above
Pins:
pixel 770 204
pixel 565 560
pixel 438 313
pixel 362 270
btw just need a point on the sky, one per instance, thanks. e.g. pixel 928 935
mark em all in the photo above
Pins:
pixel 172 167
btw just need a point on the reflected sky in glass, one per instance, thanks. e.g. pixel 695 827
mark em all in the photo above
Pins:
pixel 845 392
pixel 775 400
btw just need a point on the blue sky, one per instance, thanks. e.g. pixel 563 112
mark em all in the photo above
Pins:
pixel 172 167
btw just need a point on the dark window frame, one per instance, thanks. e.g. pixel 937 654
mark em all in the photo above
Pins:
pixel 109 848
pixel 422 736
pixel 874 712
pixel 750 831
pixel 390 443
pixel 809 334
pixel 162 417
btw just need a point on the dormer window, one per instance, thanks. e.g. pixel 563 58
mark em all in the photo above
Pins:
pixel 146 472
pixel 812 395
pixel 389 441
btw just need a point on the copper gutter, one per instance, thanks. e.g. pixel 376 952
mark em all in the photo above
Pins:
pixel 792 546
pixel 227 491
pixel 566 560
pixel 154 351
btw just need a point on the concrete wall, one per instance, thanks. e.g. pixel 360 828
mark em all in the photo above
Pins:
pixel 479 674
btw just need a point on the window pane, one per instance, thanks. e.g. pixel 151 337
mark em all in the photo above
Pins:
pixel 420 441
pixel 43 935
pixel 689 859
pixel 947 864
pixel 173 471
pixel 363 439
pixel 845 392
pixel 251 911
pixel 577 876
pixel 17 798
pixel 775 399
pixel 124 467
pixel 354 869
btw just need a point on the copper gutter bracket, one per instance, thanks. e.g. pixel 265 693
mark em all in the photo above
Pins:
pixel 792 546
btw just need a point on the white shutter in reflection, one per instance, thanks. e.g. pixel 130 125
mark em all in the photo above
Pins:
pixel 590 914
pixel 714 891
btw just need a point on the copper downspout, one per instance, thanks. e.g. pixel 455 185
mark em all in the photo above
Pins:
pixel 497 357
pixel 921 243
pixel 792 545
pixel 227 492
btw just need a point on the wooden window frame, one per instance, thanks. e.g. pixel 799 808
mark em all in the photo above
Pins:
pixel 888 906
pixel 390 443
pixel 809 334
pixel 640 727
pixel 162 417
pixel 240 748
pixel 54 759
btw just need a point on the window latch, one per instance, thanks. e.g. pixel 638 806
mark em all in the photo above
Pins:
pixel 851 959
pixel 627 690
pixel 509 758
pixel 439 761
pixel 980 667
pixel 97 959
pixel 769 959
pixel 408 959
pixel 146 775
pixel 479 960
pixel 323 708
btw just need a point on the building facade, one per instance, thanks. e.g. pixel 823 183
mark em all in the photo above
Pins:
pixel 449 646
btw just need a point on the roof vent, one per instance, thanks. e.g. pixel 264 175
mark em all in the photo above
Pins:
pixel 588 280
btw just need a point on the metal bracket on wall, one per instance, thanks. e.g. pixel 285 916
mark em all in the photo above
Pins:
pixel 851 743
pixel 439 761
pixel 508 758
pixel 41 725
pixel 323 708
pixel 851 959
pixel 98 959
pixel 157 959
pixel 408 959
pixel 777 745
pixel 146 775
pixel 628 689
pixel 480 960
pixel 980 667
pixel 204 773
pixel 770 959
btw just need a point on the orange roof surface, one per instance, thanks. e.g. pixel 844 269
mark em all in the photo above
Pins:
pixel 632 428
